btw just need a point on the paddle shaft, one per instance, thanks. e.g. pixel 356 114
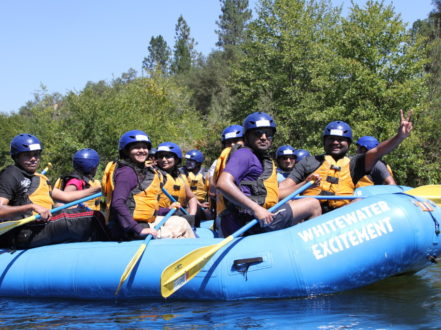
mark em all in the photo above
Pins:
pixel 250 224
pixel 67 205
pixel 329 197
pixel 134 261
pixel 49 165
pixel 160 224
pixel 8 225
pixel 170 197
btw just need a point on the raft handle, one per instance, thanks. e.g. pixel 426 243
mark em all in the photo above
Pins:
pixel 242 265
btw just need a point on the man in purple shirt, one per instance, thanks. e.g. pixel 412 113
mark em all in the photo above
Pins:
pixel 249 183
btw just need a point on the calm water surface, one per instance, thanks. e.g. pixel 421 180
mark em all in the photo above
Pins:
pixel 406 302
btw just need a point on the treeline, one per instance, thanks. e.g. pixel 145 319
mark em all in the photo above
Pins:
pixel 299 60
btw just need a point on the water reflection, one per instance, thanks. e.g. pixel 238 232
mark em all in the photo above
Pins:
pixel 405 302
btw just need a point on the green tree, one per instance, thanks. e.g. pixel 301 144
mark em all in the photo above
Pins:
pixel 383 71
pixel 287 68
pixel 232 24
pixel 184 54
pixel 159 55
pixel 307 66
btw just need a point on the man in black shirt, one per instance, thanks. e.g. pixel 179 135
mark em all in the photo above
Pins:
pixel 24 192
pixel 337 173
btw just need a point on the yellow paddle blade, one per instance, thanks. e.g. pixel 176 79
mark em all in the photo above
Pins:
pixel 132 263
pixel 183 270
pixel 8 225
pixel 432 192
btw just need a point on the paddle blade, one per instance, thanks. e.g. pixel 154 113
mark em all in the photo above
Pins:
pixel 8 225
pixel 132 263
pixel 183 270
pixel 432 192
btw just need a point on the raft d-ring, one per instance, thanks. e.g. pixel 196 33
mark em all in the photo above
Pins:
pixel 242 265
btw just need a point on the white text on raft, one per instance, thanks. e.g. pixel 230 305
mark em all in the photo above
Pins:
pixel 348 238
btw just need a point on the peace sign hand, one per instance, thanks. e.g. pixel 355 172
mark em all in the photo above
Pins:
pixel 405 124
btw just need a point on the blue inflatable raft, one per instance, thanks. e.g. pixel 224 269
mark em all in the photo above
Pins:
pixel 356 245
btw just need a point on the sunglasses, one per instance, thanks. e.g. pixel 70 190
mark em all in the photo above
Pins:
pixel 160 155
pixel 269 133
pixel 30 154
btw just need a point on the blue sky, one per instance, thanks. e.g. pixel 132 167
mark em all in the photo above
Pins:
pixel 63 44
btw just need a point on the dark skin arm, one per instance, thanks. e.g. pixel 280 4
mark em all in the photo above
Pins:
pixel 227 186
pixel 7 211
pixel 373 155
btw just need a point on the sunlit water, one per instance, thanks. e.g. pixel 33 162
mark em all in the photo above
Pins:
pixel 406 302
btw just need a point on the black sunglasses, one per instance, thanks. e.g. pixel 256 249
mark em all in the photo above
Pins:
pixel 269 133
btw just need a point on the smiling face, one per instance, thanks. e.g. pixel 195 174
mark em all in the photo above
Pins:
pixel 138 152
pixel 336 146
pixel 166 160
pixel 260 139
pixel 28 160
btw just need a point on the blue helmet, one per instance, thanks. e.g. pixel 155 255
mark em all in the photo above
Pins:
pixel 369 142
pixel 195 155
pixel 338 128
pixel 86 160
pixel 259 120
pixel 132 137
pixel 24 142
pixel 299 154
pixel 170 147
pixel 232 132
pixel 285 150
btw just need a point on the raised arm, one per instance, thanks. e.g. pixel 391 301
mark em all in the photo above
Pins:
pixel 373 155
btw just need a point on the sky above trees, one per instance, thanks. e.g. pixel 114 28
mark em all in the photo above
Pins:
pixel 65 44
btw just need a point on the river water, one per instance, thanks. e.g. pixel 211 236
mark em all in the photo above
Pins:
pixel 406 302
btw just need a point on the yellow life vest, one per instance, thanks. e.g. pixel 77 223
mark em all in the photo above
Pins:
pixel 143 199
pixel 364 181
pixel 199 185
pixel 176 188
pixel 40 191
pixel 94 204
pixel 221 162
pixel 264 191
pixel 336 180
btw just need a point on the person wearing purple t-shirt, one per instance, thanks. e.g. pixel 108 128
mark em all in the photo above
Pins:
pixel 249 183
pixel 134 202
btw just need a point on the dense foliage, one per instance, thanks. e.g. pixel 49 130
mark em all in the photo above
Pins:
pixel 299 60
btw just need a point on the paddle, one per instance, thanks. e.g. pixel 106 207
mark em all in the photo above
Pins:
pixel 8 225
pixel 170 197
pixel 47 168
pixel 183 270
pixel 432 192
pixel 132 263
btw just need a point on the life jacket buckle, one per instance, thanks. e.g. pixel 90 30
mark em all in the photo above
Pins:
pixel 332 179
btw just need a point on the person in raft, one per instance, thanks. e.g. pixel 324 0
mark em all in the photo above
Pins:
pixel 285 161
pixel 136 189
pixel 340 174
pixel 24 192
pixel 197 178
pixel 85 163
pixel 381 173
pixel 231 137
pixel 168 158
pixel 249 184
